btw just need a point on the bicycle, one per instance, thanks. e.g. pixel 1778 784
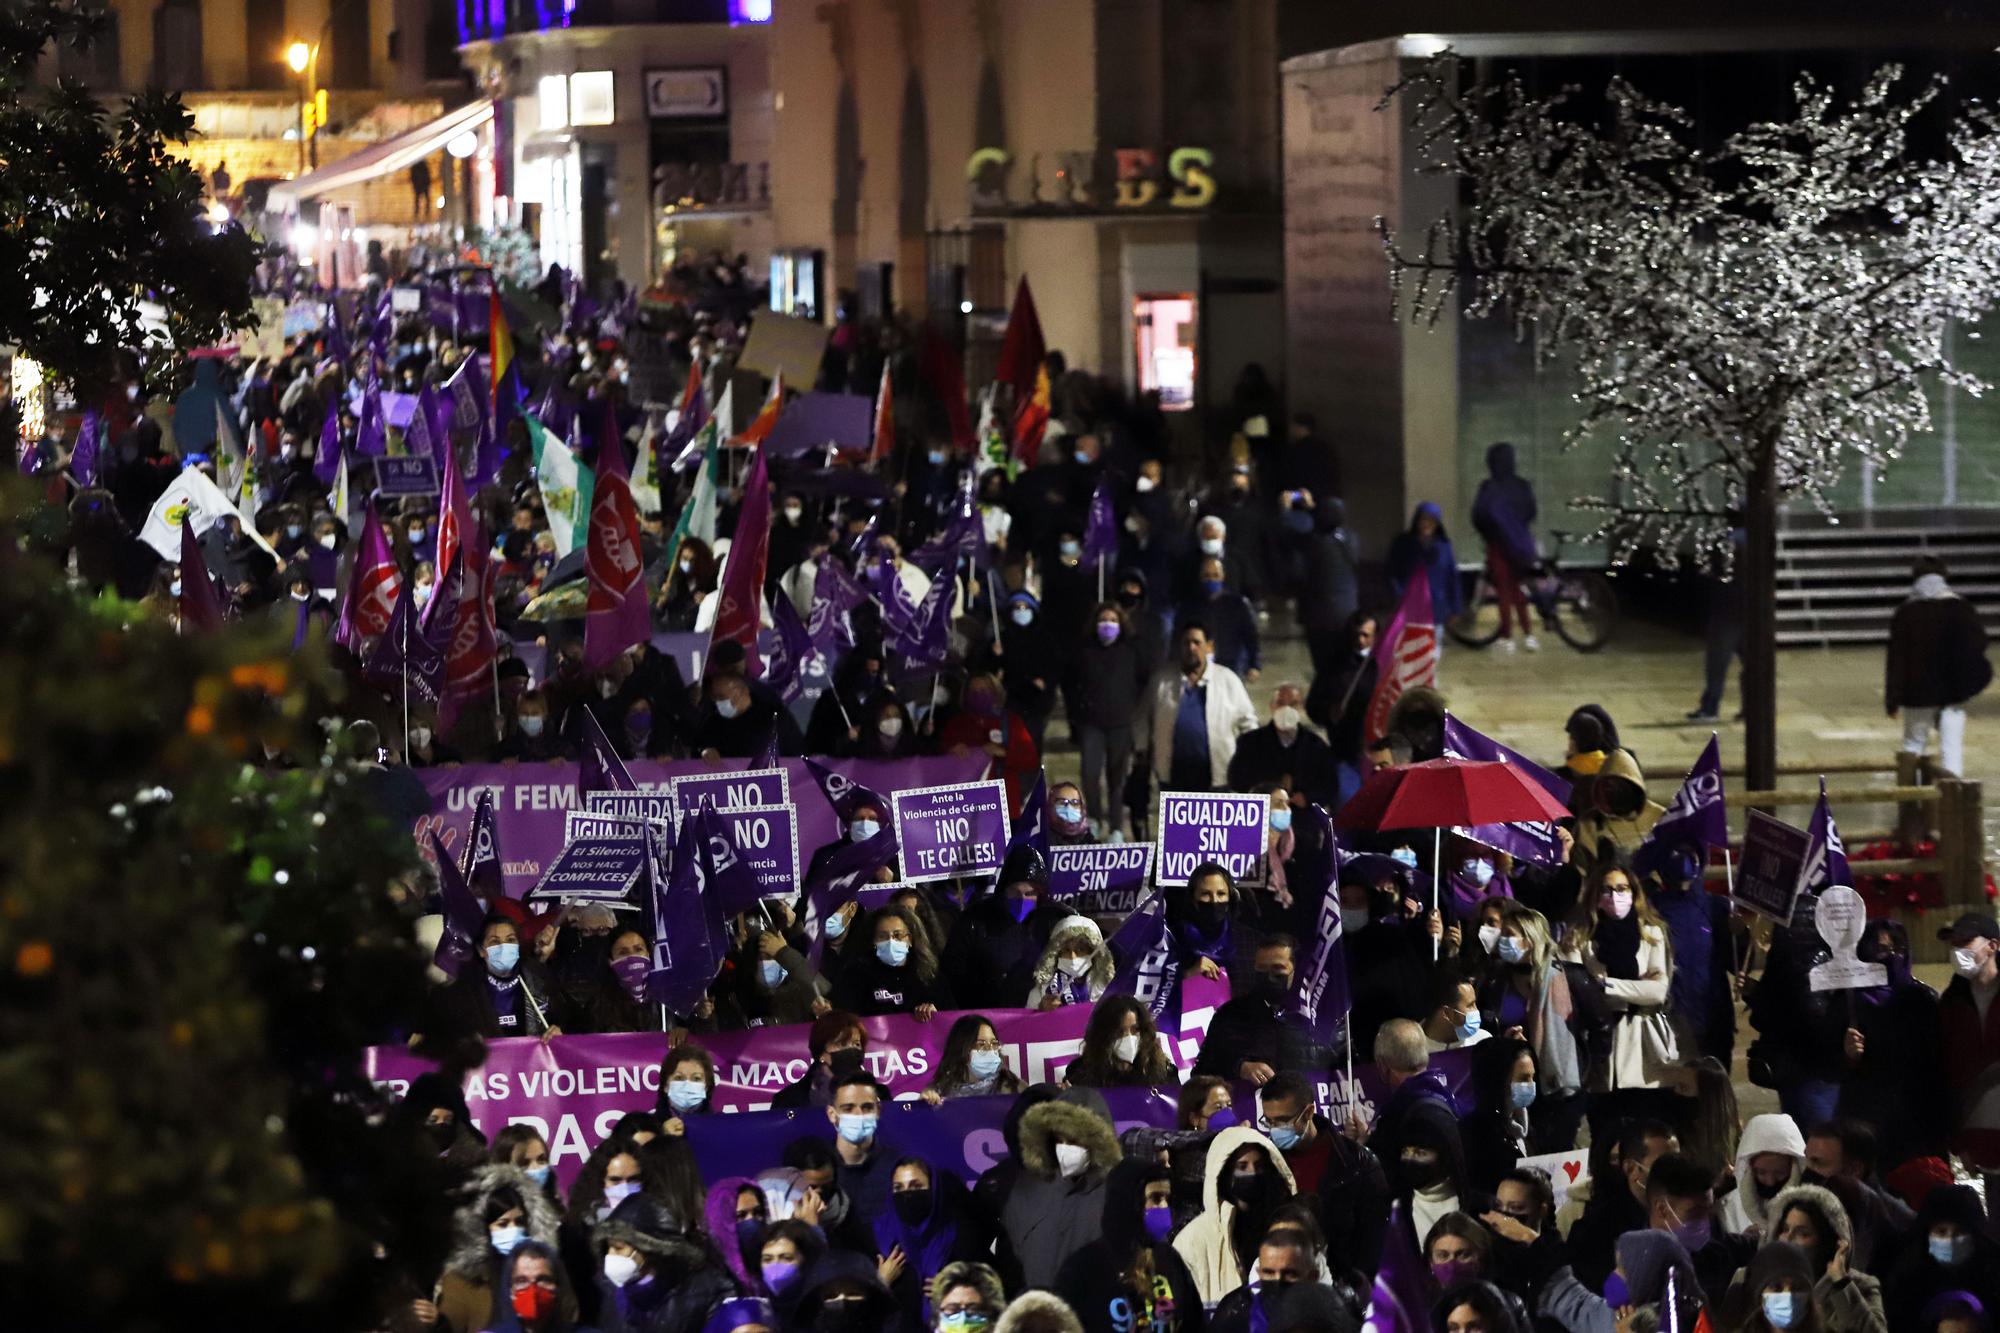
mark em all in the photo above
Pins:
pixel 1577 604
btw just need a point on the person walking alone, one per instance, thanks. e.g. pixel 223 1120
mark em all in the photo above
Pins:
pixel 1503 513
pixel 1937 661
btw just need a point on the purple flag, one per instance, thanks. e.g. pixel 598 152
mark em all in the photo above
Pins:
pixel 1031 826
pixel 463 915
pixel 302 624
pixel 1149 966
pixel 785 672
pixel 731 885
pixel 326 459
pixel 83 459
pixel 371 440
pixel 844 794
pixel 1320 1000
pixel 403 658
pixel 1398 1304
pixel 598 766
pixel 1526 841
pixel 838 879
pixel 964 535
pixel 483 869
pixel 417 440
pixel 689 939
pixel 1100 533
pixel 337 346
pixel 200 607
pixel 737 614
pixel 1696 818
pixel 1826 860
pixel 835 596
pixel 678 449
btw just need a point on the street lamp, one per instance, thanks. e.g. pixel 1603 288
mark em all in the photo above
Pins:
pixel 298 55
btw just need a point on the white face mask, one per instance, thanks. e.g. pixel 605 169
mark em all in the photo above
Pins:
pixel 1073 967
pixel 1126 1048
pixel 1072 1160
pixel 890 727
pixel 420 737
pixel 620 1269
pixel 1285 718
pixel 328 540
pixel 1211 546
pixel 1144 484
pixel 1967 962
pixel 1489 938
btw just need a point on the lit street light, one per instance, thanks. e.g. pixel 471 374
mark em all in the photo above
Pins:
pixel 299 56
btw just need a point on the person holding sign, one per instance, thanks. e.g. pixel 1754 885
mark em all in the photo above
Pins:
pixel 505 995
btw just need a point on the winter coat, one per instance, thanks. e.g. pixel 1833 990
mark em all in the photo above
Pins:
pixel 465 1007
pixel 1229 711
pixel 1329 560
pixel 1264 761
pixel 1633 1062
pixel 1546 1026
pixel 989 955
pixel 1854 1303
pixel 868 986
pixel 465 1298
pixel 1972 1064
pixel 1503 510
pixel 1231 625
pixel 1743 1209
pixel 1937 652
pixel 1204 1243
pixel 1047 980
pixel 1108 681
pixel 1047 1217
pixel 1408 556
pixel 1625 832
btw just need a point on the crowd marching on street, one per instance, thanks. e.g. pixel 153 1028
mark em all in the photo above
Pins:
pixel 780 983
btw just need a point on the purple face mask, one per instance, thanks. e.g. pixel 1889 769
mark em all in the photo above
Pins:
pixel 631 973
pixel 1448 1271
pixel 1221 1120
pixel 1160 1222
pixel 1021 908
pixel 1107 631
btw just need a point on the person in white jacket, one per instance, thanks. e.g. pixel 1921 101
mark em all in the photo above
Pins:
pixel 1770 1159
pixel 1199 710
pixel 1621 944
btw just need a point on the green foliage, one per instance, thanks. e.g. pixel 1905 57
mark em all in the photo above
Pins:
pixel 96 216
pixel 192 954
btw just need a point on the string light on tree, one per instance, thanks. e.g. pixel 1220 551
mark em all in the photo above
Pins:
pixel 1747 321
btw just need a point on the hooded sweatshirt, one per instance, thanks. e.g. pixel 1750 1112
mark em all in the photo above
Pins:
pixel 1745 1207
pixel 1624 831
pixel 1853 1304
pixel 1048 1216
pixel 1204 1244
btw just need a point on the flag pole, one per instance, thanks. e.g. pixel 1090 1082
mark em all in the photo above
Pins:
pixel 1437 874
pixel 405 671
pixel 993 600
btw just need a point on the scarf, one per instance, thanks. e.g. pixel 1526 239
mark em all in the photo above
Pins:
pixel 928 1246
pixel 1282 845
pixel 1215 949
pixel 1617 945
pixel 1931 588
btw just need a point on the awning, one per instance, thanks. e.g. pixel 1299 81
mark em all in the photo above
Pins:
pixel 380 159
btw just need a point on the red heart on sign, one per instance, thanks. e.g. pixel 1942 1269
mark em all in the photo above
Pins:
pixel 1572 1170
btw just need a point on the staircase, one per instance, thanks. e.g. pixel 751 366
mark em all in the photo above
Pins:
pixel 1841 584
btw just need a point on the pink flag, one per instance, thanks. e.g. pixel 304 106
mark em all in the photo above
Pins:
pixel 200 607
pixel 372 584
pixel 470 652
pixel 454 522
pixel 743 580
pixel 616 616
pixel 1406 656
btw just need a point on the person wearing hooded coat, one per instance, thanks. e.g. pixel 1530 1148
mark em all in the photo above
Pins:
pixel 1428 1175
pixel 1897 1081
pixel 559 1315
pixel 932 1226
pixel 469 1289
pixel 995 943
pixel 1967 1259
pixel 1644 1260
pixel 996 1184
pixel 1220 1244
pixel 1620 814
pixel 1503 513
pixel 1031 663
pixel 1425 548
pixel 1131 1276
pixel 1849 1300
pixel 840 1292
pixel 741 1247
pixel 1056 1205
pixel 1075 968
pixel 679 1280
pixel 1329 582
pixel 1751 1205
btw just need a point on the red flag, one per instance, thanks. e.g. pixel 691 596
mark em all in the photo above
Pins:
pixel 200 607
pixel 767 416
pixel 1022 350
pixel 616 615
pixel 1406 655
pixel 470 652
pixel 885 419
pixel 373 582
pixel 741 610
pixel 454 522
pixel 1031 419
pixel 943 368
pixel 691 390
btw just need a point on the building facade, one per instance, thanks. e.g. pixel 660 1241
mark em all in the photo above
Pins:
pixel 1121 155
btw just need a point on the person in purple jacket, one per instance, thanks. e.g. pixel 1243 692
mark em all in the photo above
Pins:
pixel 1503 513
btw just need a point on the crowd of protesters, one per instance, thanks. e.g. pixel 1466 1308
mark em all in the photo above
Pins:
pixel 1595 998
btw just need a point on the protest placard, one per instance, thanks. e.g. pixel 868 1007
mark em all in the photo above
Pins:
pixel 946 832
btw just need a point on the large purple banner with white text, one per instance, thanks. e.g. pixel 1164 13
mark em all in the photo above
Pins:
pixel 574 1089
pixel 531 800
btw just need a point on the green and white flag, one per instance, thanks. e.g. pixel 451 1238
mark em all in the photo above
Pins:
pixel 698 515
pixel 565 483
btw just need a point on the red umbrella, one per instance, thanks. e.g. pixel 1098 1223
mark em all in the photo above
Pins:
pixel 1448 793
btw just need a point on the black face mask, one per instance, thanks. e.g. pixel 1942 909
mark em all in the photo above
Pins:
pixel 1766 1191
pixel 1275 989
pixel 443 1134
pixel 1268 1293
pixel 845 1062
pixel 1420 1175
pixel 1246 1188
pixel 1210 916
pixel 912 1206
pixel 1128 600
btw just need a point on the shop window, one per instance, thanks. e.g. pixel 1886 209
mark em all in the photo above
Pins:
pixel 552 97
pixel 1163 336
pixel 590 98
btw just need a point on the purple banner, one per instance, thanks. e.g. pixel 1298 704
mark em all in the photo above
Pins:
pixel 574 1089
pixel 814 419
pixel 1223 827
pixel 1107 879
pixel 530 800
pixel 766 838
pixel 733 791
pixel 946 832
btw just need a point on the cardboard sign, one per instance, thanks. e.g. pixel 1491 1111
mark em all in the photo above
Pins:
pixel 783 343
pixel 1768 880
pixel 406 300
pixel 766 839
pixel 407 476
pixel 1107 879
pixel 657 806
pixel 947 832
pixel 1224 827
pixel 1841 917
pixel 1565 1170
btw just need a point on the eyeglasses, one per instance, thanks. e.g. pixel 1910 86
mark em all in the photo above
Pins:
pixel 961 1309
pixel 986 1045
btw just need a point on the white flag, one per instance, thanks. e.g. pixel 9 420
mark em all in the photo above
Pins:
pixel 191 498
